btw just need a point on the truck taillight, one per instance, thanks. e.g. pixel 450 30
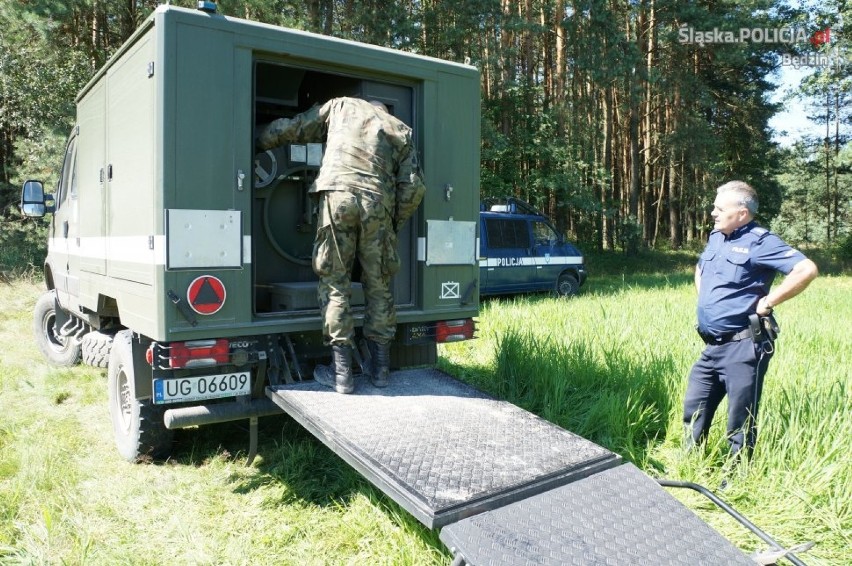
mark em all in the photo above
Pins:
pixel 454 330
pixel 194 353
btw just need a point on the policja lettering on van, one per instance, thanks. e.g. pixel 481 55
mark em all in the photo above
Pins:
pixel 509 261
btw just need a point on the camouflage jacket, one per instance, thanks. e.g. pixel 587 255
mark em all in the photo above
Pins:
pixel 367 149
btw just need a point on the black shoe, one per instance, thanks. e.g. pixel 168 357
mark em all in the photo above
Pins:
pixel 339 377
pixel 379 363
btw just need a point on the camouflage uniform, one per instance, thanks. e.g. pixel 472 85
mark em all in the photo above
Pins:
pixel 369 185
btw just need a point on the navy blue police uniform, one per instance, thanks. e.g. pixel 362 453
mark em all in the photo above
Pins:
pixel 735 272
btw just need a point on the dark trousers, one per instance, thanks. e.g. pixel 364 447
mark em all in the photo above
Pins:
pixel 735 369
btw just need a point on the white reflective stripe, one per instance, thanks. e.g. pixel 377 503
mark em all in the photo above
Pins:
pixel 59 245
pixel 135 249
pixel 92 247
pixel 421 249
pixel 246 249
pixel 130 249
pixel 522 261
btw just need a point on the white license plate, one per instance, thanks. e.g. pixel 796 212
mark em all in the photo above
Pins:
pixel 182 389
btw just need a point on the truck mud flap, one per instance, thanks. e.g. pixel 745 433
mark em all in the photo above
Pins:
pixel 441 449
pixel 617 516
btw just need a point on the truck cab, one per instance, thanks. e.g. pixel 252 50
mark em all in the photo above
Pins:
pixel 521 251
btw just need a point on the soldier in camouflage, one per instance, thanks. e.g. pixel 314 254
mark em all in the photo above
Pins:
pixel 369 184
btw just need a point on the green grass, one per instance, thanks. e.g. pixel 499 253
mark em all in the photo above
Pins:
pixel 610 365
pixel 66 497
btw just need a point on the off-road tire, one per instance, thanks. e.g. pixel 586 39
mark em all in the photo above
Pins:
pixel 96 347
pixel 567 285
pixel 140 434
pixel 59 351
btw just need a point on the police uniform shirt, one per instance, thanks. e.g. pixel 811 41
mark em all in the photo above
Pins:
pixel 735 273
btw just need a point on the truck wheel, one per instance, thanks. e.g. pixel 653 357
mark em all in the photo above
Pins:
pixel 140 434
pixel 567 285
pixel 59 350
pixel 96 347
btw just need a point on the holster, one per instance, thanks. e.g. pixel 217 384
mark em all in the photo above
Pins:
pixel 763 328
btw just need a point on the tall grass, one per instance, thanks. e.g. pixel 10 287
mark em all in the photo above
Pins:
pixel 66 497
pixel 612 364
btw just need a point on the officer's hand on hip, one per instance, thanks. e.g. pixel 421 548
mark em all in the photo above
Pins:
pixel 764 308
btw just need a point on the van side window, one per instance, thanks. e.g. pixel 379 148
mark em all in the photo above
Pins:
pixel 507 233
pixel 543 233
pixel 67 180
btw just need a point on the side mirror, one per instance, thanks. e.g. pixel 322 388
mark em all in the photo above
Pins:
pixel 33 199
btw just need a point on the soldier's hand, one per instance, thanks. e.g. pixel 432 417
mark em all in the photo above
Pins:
pixel 273 134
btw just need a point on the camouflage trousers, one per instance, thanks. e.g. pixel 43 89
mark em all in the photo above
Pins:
pixel 355 225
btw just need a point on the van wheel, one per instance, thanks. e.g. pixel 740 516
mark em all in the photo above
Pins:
pixel 59 350
pixel 567 285
pixel 96 347
pixel 140 434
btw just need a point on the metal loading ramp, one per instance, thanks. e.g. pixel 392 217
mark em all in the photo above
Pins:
pixel 438 447
pixel 506 486
pixel 618 516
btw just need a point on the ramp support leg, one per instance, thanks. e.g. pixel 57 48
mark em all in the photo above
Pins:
pixel 252 440
pixel 293 357
pixel 733 513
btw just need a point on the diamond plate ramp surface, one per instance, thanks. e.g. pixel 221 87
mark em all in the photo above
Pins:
pixel 440 448
pixel 619 516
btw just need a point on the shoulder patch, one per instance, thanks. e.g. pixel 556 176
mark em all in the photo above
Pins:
pixel 760 232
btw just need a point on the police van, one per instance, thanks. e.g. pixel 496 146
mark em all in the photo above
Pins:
pixel 520 250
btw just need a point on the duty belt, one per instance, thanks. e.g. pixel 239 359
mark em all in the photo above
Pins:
pixel 725 338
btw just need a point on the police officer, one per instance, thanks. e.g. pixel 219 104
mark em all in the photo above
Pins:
pixel 733 278
pixel 369 184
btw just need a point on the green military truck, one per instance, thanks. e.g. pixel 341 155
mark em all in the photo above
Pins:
pixel 179 255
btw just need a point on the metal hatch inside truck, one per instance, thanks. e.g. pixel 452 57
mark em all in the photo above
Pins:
pixel 283 213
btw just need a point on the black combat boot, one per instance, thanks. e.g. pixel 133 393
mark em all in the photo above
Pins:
pixel 379 363
pixel 339 375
